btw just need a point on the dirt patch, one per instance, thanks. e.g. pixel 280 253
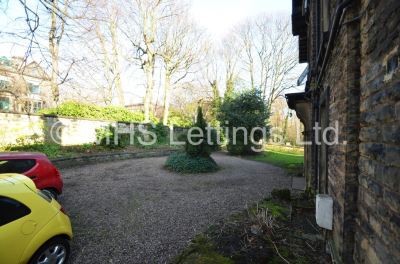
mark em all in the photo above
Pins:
pixel 273 231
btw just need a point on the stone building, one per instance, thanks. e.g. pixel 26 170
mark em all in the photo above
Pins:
pixel 352 48
pixel 24 87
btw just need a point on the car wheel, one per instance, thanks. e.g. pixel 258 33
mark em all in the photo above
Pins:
pixel 56 251
pixel 53 193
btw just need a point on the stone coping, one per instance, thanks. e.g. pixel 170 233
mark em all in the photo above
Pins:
pixel 106 157
pixel 59 116
pixel 74 118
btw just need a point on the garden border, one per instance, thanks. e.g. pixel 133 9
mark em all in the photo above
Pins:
pixel 100 158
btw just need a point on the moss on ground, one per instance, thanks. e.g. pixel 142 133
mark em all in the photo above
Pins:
pixel 204 253
pixel 232 240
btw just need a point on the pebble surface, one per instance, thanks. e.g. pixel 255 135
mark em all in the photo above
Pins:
pixel 135 211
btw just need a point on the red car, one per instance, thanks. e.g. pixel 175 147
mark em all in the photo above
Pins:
pixel 35 166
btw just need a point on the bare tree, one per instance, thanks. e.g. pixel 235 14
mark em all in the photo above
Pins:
pixel 56 33
pixel 181 49
pixel 270 53
pixel 142 22
pixel 209 74
pixel 101 38
pixel 230 52
pixel 244 33
pixel 113 27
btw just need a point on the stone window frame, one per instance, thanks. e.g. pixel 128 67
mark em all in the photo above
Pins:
pixel 395 52
pixel 4 103
pixel 33 88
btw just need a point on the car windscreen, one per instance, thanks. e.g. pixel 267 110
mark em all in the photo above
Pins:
pixel 16 165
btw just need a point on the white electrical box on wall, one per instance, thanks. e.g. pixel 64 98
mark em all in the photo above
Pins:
pixel 324 211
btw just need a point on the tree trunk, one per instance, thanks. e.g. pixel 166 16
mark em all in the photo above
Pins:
pixel 285 127
pixel 53 45
pixel 117 75
pixel 166 99
pixel 214 86
pixel 54 78
pixel 252 75
pixel 149 90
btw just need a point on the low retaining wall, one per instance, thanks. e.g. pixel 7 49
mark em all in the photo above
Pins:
pixel 62 130
pixel 99 158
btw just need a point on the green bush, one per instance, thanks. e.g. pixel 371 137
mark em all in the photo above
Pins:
pixel 213 139
pixel 160 130
pixel 115 113
pixel 182 162
pixel 196 158
pixel 182 136
pixel 179 120
pixel 102 134
pixel 203 148
pixel 249 111
pixel 51 150
pixel 235 149
pixel 76 110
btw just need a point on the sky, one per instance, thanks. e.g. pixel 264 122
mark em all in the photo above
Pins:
pixel 220 15
pixel 217 16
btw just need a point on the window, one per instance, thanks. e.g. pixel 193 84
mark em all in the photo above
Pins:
pixel 4 84
pixel 34 70
pixel 11 210
pixel 325 16
pixel 33 88
pixel 4 103
pixel 6 62
pixel 16 165
pixel 32 107
pixel 36 106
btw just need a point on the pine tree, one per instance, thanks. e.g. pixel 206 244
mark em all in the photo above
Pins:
pixel 201 149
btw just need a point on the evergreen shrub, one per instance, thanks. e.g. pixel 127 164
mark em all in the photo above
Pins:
pixel 247 110
pixel 182 162
pixel 196 157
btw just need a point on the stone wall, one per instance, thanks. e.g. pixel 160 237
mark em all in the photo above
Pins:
pixel 340 87
pixel 363 170
pixel 91 159
pixel 378 231
pixel 55 129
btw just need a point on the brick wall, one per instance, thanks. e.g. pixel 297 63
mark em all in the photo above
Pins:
pixel 378 231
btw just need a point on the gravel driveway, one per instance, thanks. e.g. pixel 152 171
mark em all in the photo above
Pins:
pixel 135 211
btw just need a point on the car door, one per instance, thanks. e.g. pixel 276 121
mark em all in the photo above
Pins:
pixel 13 216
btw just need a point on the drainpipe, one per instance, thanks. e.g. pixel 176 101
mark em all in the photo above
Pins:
pixel 332 35
pixel 317 31
pixel 335 26
pixel 316 167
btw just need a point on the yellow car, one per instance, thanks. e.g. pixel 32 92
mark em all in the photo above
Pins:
pixel 33 227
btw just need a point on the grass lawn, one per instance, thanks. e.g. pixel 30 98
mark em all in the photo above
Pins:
pixel 290 158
